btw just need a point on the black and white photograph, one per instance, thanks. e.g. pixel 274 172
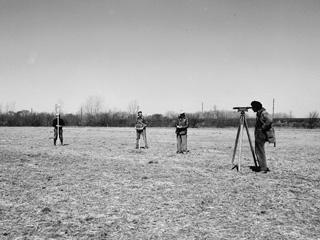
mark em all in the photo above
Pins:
pixel 160 119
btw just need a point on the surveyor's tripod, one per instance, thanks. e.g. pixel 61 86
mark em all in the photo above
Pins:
pixel 243 124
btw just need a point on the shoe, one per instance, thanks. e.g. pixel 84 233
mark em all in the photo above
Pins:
pixel 266 170
pixel 255 169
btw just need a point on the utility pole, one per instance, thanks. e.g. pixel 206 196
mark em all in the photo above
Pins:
pixel 273 109
pixel 202 107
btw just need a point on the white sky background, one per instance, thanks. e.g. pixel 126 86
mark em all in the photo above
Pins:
pixel 169 55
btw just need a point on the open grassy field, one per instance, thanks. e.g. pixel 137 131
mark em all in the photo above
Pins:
pixel 98 186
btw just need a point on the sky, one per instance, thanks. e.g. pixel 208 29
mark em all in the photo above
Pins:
pixel 167 55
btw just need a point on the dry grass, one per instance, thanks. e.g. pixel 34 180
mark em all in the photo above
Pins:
pixel 99 187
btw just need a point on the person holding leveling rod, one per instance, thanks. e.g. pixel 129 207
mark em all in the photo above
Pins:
pixel 182 125
pixel 58 123
pixel 263 133
pixel 141 125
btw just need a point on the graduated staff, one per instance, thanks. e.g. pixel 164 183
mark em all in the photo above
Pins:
pixel 263 133
pixel 182 125
pixel 141 125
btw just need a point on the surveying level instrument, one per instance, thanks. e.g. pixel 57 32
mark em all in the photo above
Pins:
pixel 243 124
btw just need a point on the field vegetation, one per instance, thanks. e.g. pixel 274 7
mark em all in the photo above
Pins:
pixel 98 186
pixel 214 118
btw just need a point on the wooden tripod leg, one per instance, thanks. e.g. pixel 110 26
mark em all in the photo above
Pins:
pixel 235 145
pixel 240 147
pixel 250 142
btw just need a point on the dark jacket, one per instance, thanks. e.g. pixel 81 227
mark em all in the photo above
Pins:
pixel 141 123
pixel 55 122
pixel 182 125
pixel 263 120
pixel 263 128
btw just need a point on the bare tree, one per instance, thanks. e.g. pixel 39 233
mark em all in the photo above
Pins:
pixel 93 105
pixel 313 119
pixel 171 114
pixel 133 107
pixel 215 112
pixel 290 114
pixel 10 107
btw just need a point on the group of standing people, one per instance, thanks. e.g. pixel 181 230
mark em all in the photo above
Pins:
pixel 182 125
pixel 263 133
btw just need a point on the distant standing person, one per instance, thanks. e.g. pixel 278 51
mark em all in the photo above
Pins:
pixel 141 125
pixel 58 129
pixel 263 133
pixel 181 131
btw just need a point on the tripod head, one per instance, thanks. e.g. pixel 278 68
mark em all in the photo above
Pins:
pixel 242 109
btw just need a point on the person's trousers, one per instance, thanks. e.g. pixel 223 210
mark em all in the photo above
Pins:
pixel 181 143
pixel 261 154
pixel 56 135
pixel 144 136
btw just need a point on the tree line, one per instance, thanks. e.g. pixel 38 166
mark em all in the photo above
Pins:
pixel 217 118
